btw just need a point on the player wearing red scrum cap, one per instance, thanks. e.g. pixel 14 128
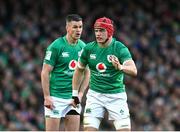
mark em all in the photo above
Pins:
pixel 108 61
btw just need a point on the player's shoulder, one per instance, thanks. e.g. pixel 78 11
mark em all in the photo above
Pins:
pixel 57 42
pixel 81 43
pixel 91 45
pixel 118 44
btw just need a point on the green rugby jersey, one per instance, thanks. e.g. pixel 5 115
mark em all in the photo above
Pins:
pixel 63 57
pixel 104 77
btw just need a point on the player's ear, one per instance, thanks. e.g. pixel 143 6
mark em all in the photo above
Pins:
pixel 66 27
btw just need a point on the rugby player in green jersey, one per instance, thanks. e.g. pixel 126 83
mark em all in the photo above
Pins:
pixel 59 64
pixel 108 61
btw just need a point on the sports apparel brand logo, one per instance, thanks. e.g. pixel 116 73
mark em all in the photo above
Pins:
pixel 109 58
pixel 48 55
pixel 72 64
pixel 101 67
pixel 65 54
pixel 93 56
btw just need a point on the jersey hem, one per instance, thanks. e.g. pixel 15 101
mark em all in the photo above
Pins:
pixel 109 92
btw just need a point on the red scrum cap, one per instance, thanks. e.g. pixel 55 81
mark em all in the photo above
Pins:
pixel 105 23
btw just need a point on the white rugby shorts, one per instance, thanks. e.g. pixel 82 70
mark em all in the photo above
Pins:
pixel 116 105
pixel 62 107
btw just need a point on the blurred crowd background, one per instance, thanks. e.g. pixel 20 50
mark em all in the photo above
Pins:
pixel 150 29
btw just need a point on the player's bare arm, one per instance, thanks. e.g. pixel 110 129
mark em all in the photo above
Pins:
pixel 45 85
pixel 76 83
pixel 84 83
pixel 127 67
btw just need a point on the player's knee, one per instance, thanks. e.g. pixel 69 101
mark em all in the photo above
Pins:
pixel 91 122
pixel 122 124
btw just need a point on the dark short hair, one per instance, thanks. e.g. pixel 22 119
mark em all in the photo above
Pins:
pixel 73 17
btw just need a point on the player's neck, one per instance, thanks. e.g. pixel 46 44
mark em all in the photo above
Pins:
pixel 71 40
pixel 106 44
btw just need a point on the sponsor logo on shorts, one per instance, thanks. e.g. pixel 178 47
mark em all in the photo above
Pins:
pixel 122 112
pixel 56 112
pixel 88 110
pixel 47 116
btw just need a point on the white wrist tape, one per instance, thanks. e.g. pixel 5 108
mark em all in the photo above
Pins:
pixel 75 93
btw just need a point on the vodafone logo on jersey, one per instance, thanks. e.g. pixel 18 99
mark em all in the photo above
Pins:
pixel 101 67
pixel 72 64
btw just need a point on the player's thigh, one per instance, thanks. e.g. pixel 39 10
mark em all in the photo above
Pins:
pixel 94 110
pixel 52 124
pixel 72 121
pixel 94 106
pixel 119 112
pixel 118 107
pixel 93 114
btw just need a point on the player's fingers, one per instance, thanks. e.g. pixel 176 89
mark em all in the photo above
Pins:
pixel 72 103
pixel 115 59
pixel 52 106
pixel 49 106
pixel 115 64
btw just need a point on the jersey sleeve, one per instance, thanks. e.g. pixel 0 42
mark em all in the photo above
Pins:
pixel 51 55
pixel 125 55
pixel 84 56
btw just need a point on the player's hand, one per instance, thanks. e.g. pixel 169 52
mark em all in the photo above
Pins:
pixel 116 63
pixel 48 103
pixel 75 101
